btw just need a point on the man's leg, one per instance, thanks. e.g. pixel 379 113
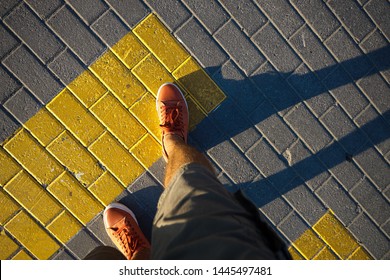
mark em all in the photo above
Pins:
pixel 179 153
pixel 197 218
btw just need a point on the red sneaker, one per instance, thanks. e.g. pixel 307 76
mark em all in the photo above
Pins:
pixel 122 227
pixel 172 112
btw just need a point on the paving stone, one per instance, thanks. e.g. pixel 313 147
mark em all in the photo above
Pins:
pixel 158 170
pixel 353 17
pixel 316 13
pixel 233 82
pixel 172 12
pixel 368 233
pixel 282 15
pixel 147 191
pixel 345 92
pixel 307 128
pixel 89 10
pixel 372 201
pixel 23 105
pixel 96 226
pixel 6 6
pixel 267 198
pixel 275 88
pixel 207 134
pixel 304 201
pixel 346 51
pixel 131 11
pixel 378 9
pixel 376 128
pixel 76 35
pixel 336 198
pixel 8 41
pixel 8 85
pixel 377 90
pixel 210 13
pixel 229 118
pixel 239 47
pixel 337 160
pixel 240 170
pixel 83 243
pixel 313 52
pixel 246 14
pixel 306 165
pixel 310 89
pixel 8 124
pixel 363 2
pixel 66 66
pixel 33 32
pixel 343 129
pixel 64 255
pixel 375 46
pixel 374 166
pixel 271 165
pixel 277 50
pixel 35 77
pixel 201 45
pixel 227 182
pixel 110 28
pixel 386 228
pixel 293 227
pixel 272 127
pixel 246 139
pixel 44 8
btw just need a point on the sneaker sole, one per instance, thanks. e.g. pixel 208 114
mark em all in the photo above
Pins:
pixel 118 206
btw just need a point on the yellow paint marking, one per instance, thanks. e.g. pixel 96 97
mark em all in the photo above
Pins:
pixel 87 88
pixel 75 197
pixel 33 237
pixel 9 167
pixel 152 74
pixel 76 158
pixel 33 197
pixel 118 78
pixel 147 151
pixel 64 227
pixel 326 254
pixel 7 246
pixel 162 44
pixel 116 158
pixel 195 80
pixel 106 188
pixel 44 127
pixel 75 117
pixel 336 235
pixel 360 254
pixel 118 120
pixel 130 50
pixel 145 111
pixel 309 244
pixel 22 255
pixel 33 157
pixel 7 207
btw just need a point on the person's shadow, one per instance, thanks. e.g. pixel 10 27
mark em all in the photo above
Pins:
pixel 264 96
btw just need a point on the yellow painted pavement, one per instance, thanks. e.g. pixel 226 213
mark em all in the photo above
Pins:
pixel 80 151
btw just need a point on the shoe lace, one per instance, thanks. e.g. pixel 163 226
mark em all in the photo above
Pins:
pixel 172 117
pixel 129 239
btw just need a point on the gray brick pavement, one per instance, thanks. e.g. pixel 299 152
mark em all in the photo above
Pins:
pixel 379 10
pixel 76 35
pixel 33 32
pixel 82 243
pixel 89 10
pixel 23 105
pixel 44 8
pixel 110 28
pixel 35 77
pixel 131 11
pixel 66 66
pixel 8 41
